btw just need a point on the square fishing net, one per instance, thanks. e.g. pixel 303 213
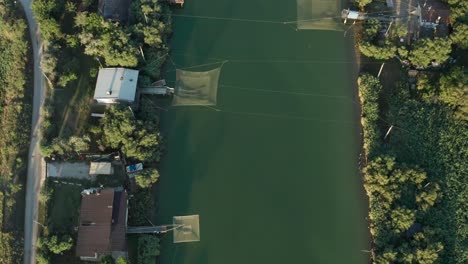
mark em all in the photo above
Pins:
pixel 196 88
pixel 319 14
pixel 188 228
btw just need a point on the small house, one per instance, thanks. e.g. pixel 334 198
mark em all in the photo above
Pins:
pixel 103 225
pixel 116 85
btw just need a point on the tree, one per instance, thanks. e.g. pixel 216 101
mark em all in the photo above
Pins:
pixel 66 78
pixel 79 143
pixel 402 219
pixel 460 35
pixel 380 53
pixel 399 30
pixel 426 51
pixel 137 139
pixel 107 260
pixel 372 28
pixel 454 91
pixel 363 3
pixel 369 89
pixel 41 259
pixel 121 260
pixel 147 177
pixel 428 196
pixel 430 254
pixel 106 39
pixel 57 246
pixel 148 249
pixel 45 194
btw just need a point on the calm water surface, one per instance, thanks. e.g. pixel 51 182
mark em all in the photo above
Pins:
pixel 273 175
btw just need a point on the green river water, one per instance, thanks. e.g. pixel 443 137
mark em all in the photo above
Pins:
pixel 274 174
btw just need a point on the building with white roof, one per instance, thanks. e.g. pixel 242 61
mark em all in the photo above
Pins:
pixel 116 85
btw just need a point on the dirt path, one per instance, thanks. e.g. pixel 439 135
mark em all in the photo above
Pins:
pixel 36 168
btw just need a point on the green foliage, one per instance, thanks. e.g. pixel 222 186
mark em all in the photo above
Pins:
pixel 107 260
pixel 372 28
pixel 369 88
pixel 121 260
pixel 402 52
pixel 15 121
pixel 380 53
pixel 41 259
pixel 396 195
pixel 136 138
pixel 402 219
pixel 64 79
pixel 459 10
pixel 79 143
pixel 44 11
pixel 45 194
pixel 140 207
pixel 460 35
pixel 399 30
pixel 454 91
pixel 58 245
pixel 435 139
pixel 363 3
pixel 148 249
pixel 426 51
pixel 147 177
pixel 106 39
pixel 402 197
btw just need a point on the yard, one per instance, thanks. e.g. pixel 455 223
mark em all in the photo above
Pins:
pixel 64 205
pixel 72 103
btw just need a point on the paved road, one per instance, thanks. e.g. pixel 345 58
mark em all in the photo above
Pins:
pixel 36 164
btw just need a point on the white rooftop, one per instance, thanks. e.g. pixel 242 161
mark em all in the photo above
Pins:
pixel 353 15
pixel 116 85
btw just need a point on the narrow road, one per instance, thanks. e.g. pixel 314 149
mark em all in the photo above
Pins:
pixel 36 164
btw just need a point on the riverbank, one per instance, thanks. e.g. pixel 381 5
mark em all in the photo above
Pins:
pixel 414 130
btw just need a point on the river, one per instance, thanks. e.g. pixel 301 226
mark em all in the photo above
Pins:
pixel 274 174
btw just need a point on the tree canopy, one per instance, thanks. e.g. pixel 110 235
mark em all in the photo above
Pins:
pixel 148 249
pixel 106 39
pixel 378 52
pixel 426 51
pixel 138 139
pixel 147 177
pixel 454 91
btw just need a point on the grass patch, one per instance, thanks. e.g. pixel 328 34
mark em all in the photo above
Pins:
pixel 64 206
pixel 73 102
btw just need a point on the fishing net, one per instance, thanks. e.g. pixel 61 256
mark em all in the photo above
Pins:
pixel 319 14
pixel 196 88
pixel 188 229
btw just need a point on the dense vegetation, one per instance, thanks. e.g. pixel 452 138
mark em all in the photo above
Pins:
pixel 416 177
pixel 15 127
pixel 120 130
pixel 77 40
pixel 417 212
pixel 148 249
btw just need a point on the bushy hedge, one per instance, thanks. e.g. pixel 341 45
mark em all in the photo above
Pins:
pixel 369 89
